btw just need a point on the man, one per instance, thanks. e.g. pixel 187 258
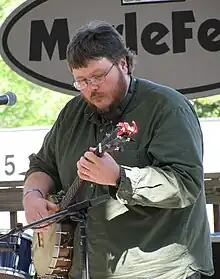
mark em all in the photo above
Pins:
pixel 155 225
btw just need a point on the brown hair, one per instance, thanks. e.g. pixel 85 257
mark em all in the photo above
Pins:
pixel 96 40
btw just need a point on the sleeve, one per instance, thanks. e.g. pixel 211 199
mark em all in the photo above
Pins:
pixel 45 159
pixel 175 178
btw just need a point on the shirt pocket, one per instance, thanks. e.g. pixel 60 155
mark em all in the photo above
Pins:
pixel 133 158
pixel 130 158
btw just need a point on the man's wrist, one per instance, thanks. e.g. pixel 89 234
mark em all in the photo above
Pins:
pixel 121 177
pixel 118 181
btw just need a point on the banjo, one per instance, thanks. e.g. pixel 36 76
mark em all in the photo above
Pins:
pixel 52 250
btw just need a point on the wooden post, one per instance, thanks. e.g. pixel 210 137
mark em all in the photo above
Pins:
pixel 216 212
pixel 13 219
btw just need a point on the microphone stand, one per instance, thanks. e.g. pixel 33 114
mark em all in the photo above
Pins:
pixel 84 243
pixel 76 212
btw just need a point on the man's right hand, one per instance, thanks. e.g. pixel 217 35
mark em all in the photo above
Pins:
pixel 36 208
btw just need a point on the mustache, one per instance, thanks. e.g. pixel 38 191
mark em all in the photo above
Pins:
pixel 95 94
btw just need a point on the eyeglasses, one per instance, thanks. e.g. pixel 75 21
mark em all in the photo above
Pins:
pixel 95 80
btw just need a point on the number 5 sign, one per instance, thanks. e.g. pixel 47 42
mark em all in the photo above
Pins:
pixel 9 165
pixel 18 144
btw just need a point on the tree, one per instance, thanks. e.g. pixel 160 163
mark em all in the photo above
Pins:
pixel 208 107
pixel 36 106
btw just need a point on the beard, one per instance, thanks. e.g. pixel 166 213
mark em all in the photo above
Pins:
pixel 118 93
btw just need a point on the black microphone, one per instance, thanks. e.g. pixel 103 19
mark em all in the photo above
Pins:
pixel 8 99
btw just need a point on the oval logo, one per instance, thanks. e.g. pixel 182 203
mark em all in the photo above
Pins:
pixel 177 42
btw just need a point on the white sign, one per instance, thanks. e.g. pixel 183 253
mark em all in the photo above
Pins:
pixel 19 143
pixel 177 42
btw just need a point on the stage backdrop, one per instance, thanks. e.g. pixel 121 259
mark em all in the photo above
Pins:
pixel 177 42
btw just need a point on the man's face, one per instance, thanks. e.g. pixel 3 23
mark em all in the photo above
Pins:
pixel 102 82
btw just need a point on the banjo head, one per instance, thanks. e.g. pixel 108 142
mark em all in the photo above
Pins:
pixel 52 250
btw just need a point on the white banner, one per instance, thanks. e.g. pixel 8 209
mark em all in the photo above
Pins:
pixel 177 42
pixel 18 143
pixel 16 146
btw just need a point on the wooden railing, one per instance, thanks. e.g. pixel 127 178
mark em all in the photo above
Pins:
pixel 11 197
pixel 212 190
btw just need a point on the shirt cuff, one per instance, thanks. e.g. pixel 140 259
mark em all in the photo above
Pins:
pixel 125 190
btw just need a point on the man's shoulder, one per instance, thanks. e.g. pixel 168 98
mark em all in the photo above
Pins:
pixel 158 93
pixel 157 89
pixel 74 104
pixel 73 110
pixel 75 101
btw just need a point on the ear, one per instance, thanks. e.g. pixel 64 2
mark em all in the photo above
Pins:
pixel 124 65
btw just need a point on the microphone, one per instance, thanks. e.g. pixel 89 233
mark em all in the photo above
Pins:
pixel 8 99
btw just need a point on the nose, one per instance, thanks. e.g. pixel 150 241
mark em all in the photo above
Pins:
pixel 91 88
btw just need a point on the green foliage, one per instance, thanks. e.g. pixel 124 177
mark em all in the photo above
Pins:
pixel 38 106
pixel 208 107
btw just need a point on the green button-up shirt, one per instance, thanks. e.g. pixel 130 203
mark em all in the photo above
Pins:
pixel 155 226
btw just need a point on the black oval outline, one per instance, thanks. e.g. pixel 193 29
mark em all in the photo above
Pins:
pixel 62 85
pixel 151 2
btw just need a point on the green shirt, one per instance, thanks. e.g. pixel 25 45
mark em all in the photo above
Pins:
pixel 156 225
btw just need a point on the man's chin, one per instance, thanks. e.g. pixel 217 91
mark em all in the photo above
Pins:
pixel 102 107
pixel 100 104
